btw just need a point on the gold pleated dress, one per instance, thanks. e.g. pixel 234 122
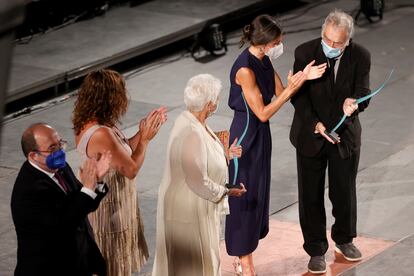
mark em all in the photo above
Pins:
pixel 117 223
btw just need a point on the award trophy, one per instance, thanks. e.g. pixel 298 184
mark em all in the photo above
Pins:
pixel 332 134
pixel 235 185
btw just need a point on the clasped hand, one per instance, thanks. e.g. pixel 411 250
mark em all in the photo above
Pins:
pixel 320 128
pixel 237 192
pixel 235 150
pixel 350 106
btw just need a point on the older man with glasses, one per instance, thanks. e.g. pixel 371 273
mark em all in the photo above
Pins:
pixel 319 105
pixel 50 207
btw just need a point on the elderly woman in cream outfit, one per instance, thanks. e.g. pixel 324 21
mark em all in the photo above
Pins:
pixel 192 194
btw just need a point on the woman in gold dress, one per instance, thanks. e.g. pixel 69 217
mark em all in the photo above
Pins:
pixel 117 224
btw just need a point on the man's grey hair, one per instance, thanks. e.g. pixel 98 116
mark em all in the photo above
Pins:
pixel 200 90
pixel 340 19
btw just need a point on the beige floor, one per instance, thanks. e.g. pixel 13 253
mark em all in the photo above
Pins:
pixel 281 253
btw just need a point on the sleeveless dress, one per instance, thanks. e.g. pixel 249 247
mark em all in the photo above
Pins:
pixel 249 215
pixel 116 223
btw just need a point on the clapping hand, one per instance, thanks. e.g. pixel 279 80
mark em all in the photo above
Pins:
pixel 103 164
pixel 163 113
pixel 151 124
pixel 295 82
pixel 314 71
pixel 235 150
pixel 87 173
pixel 310 72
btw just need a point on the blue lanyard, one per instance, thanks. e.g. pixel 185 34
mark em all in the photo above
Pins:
pixel 363 99
pixel 235 159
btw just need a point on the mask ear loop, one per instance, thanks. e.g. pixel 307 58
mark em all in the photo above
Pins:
pixel 37 162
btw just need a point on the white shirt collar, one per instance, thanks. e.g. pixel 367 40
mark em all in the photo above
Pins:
pixel 50 174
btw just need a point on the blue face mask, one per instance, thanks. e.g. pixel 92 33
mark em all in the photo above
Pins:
pixel 329 51
pixel 56 160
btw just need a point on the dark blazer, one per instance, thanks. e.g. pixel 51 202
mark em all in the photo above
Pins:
pixel 54 236
pixel 317 101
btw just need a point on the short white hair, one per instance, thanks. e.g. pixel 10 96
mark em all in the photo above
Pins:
pixel 340 19
pixel 200 90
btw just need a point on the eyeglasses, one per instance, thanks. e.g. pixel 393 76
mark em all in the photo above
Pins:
pixel 61 145
pixel 333 44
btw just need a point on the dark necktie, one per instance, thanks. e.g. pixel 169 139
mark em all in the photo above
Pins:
pixel 332 62
pixel 61 182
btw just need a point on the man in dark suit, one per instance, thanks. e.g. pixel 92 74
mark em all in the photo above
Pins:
pixel 319 105
pixel 50 207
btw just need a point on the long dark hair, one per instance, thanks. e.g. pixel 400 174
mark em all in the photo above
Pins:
pixel 263 29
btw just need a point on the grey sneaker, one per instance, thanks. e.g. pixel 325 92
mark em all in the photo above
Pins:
pixel 317 265
pixel 349 251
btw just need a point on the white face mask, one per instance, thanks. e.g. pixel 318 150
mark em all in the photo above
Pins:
pixel 215 110
pixel 275 52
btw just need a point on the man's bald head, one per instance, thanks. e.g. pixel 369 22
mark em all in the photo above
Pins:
pixel 35 135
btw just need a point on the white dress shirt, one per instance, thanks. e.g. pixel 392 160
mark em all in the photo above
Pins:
pixel 85 190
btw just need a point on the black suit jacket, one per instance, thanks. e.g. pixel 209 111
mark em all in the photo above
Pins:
pixel 53 234
pixel 318 101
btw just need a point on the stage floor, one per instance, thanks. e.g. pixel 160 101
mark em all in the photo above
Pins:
pixel 122 33
pixel 281 253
